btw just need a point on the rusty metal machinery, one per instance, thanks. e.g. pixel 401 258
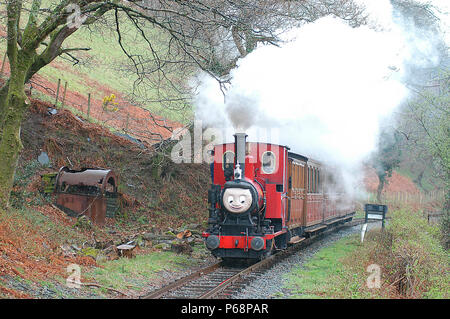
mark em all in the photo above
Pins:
pixel 89 191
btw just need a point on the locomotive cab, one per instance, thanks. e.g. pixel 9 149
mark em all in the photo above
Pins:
pixel 238 225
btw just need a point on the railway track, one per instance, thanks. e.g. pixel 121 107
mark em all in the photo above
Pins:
pixel 221 280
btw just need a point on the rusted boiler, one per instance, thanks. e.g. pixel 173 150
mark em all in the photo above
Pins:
pixel 89 191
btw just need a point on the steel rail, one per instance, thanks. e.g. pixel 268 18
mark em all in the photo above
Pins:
pixel 265 263
pixel 158 293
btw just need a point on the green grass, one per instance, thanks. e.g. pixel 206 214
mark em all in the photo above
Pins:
pixel 359 214
pixel 408 248
pixel 322 276
pixel 103 56
pixel 136 273
pixel 428 181
pixel 106 64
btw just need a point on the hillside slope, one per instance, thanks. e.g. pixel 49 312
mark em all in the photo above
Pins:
pixel 395 183
pixel 144 175
pixel 158 196
pixel 98 74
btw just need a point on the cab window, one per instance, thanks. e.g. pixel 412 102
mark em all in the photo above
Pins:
pixel 228 158
pixel 268 162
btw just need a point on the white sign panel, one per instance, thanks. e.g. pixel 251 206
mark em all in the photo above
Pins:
pixel 375 216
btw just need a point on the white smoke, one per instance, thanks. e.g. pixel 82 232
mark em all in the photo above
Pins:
pixel 325 91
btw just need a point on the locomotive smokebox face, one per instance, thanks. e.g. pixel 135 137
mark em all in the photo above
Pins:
pixel 237 200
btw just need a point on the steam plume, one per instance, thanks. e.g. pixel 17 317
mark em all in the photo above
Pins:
pixel 325 91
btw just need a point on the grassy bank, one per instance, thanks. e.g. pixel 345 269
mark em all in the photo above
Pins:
pixel 325 275
pixel 38 241
pixel 136 274
pixel 411 262
pixel 34 259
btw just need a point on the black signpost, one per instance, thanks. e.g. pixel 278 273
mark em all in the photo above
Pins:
pixel 375 211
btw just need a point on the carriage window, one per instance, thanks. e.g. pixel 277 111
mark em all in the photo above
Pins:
pixel 315 180
pixel 294 175
pixel 299 176
pixel 228 158
pixel 309 179
pixel 268 162
pixel 319 182
pixel 313 183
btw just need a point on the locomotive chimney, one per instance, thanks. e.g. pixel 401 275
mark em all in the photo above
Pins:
pixel 239 149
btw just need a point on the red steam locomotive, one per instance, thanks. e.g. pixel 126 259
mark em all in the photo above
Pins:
pixel 264 197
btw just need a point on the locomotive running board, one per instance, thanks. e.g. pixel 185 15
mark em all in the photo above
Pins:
pixel 337 220
pixel 296 239
pixel 311 230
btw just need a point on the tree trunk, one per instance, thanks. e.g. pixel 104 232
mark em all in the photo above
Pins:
pixel 11 119
pixel 14 103
pixel 380 189
pixel 24 62
pixel 419 179
pixel 3 102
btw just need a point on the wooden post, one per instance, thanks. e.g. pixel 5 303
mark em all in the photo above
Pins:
pixel 126 124
pixel 89 105
pixel 3 64
pixel 57 93
pixel 64 95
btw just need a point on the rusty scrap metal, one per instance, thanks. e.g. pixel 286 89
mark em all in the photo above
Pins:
pixel 126 250
pixel 104 179
pixel 90 191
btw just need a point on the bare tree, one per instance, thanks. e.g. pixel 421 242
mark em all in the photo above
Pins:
pixel 200 34
pixel 212 35
pixel 199 38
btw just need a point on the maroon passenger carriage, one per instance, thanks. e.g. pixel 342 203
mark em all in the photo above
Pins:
pixel 264 197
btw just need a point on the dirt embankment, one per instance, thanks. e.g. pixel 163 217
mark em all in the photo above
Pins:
pixel 158 194
pixel 130 118
pixel 395 184
pixel 148 177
